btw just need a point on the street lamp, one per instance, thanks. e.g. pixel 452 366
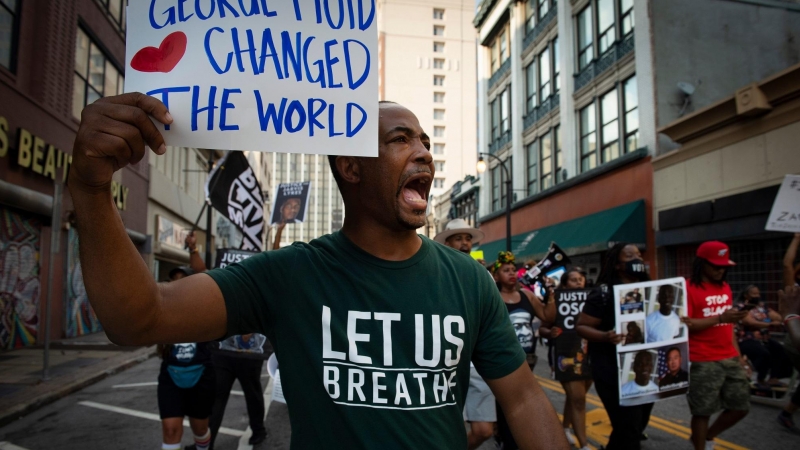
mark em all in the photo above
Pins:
pixel 481 167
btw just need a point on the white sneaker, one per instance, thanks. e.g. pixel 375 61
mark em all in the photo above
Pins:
pixel 710 445
pixel 570 437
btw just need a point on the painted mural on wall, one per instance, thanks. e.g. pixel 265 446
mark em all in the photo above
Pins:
pixel 81 318
pixel 19 279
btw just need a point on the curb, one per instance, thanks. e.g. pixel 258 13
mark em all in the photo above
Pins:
pixel 114 365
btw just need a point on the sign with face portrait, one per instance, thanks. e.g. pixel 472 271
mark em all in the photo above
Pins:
pixel 653 357
pixel 571 362
pixel 785 213
pixel 291 203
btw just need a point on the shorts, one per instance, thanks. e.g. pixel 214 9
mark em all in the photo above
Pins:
pixel 480 404
pixel 195 402
pixel 715 385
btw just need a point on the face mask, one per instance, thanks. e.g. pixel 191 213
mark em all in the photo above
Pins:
pixel 635 269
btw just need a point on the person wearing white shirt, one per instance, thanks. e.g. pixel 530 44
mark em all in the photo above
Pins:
pixel 663 324
pixel 641 384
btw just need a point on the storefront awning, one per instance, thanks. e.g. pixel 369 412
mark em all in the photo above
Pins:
pixel 588 234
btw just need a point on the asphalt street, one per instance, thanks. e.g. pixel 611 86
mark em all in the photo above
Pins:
pixel 121 412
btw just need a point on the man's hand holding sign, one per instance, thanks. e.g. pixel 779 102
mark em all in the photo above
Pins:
pixel 379 357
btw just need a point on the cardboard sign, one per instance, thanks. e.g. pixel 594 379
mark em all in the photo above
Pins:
pixel 268 75
pixel 571 360
pixel 227 256
pixel 785 214
pixel 291 203
pixel 476 254
pixel 653 358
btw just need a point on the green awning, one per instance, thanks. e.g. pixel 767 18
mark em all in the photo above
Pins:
pixel 588 234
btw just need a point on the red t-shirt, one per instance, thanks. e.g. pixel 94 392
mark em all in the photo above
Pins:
pixel 715 343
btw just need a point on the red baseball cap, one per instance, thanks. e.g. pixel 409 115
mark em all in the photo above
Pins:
pixel 715 252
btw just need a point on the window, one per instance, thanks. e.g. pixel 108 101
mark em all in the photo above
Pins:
pixel 544 75
pixel 438 63
pixel 496 188
pixel 505 109
pixel 95 76
pixel 609 120
pixel 557 67
pixel 530 86
pixel 495 107
pixel 438 131
pixel 626 19
pixel 438 47
pixel 438 114
pixel 588 138
pixel 8 20
pixel 438 183
pixel 546 161
pixel 585 49
pixel 630 105
pixel 544 7
pixel 438 149
pixel 532 153
pixel 438 30
pixel 438 80
pixel 439 166
pixel 530 16
pixel 438 14
pixel 115 10
pixel 438 97
pixel 559 154
pixel 605 24
pixel 499 50
pixel 503 47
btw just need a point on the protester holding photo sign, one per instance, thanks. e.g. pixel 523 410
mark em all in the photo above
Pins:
pixel 717 378
pixel 664 323
pixel 597 323
pixel 382 356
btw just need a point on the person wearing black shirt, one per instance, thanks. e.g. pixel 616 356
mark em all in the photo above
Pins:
pixel 596 324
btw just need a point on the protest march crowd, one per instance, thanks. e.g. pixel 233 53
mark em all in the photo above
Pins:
pixel 416 336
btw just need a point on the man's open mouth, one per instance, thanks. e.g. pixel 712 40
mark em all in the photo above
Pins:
pixel 415 190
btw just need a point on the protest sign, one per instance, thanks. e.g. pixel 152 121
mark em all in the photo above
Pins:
pixel 552 266
pixel 266 75
pixel 291 203
pixel 227 256
pixel 653 357
pixel 476 254
pixel 571 362
pixel 785 214
pixel 234 191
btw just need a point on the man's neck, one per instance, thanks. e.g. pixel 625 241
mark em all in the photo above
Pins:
pixel 381 242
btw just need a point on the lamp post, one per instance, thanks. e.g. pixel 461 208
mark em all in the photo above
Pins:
pixel 481 167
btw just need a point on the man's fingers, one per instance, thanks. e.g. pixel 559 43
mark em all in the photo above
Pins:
pixel 150 105
pixel 137 117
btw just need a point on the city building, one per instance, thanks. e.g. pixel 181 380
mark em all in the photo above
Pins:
pixel 55 57
pixel 426 52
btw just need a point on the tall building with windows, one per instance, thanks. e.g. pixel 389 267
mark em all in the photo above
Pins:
pixel 574 97
pixel 426 55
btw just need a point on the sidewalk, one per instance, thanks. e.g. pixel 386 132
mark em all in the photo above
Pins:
pixel 74 364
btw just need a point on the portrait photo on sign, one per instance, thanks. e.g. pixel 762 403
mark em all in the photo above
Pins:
pixel 664 306
pixel 633 330
pixel 631 301
pixel 653 374
pixel 638 375
pixel 291 203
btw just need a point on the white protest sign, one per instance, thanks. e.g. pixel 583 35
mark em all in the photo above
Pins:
pixel 296 76
pixel 785 214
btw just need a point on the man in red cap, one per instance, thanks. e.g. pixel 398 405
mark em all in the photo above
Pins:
pixel 717 378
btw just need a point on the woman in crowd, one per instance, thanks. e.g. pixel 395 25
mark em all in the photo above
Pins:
pixel 623 264
pixel 766 354
pixel 523 309
pixel 575 405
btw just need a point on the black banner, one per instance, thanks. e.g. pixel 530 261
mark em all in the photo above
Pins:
pixel 551 266
pixel 234 191
pixel 571 361
pixel 227 256
pixel 291 202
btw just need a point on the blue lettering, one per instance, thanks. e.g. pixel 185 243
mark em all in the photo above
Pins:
pixel 224 4
pixel 211 56
pixel 238 50
pixel 318 10
pixel 268 46
pixel 226 105
pixel 276 117
pixel 365 25
pixel 212 95
pixel 350 130
pixel 297 14
pixel 355 84
pixel 331 122
pixel 351 14
pixel 169 12
pixel 288 52
pixel 253 8
pixel 266 10
pixel 330 19
pixel 329 62
pixel 314 113
pixel 164 92
pixel 295 106
pixel 181 16
pixel 199 11
pixel 320 73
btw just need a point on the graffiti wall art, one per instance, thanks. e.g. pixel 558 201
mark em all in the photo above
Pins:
pixel 81 318
pixel 19 279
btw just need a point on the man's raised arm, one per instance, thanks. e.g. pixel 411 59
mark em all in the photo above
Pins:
pixel 132 308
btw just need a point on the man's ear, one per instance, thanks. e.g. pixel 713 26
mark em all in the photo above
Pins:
pixel 349 169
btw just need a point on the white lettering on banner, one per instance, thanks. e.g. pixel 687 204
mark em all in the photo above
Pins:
pixel 387 387
pixel 717 299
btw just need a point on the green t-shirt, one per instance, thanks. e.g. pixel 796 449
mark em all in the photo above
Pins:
pixel 373 353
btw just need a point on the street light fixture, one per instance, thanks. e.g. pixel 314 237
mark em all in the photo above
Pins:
pixel 481 168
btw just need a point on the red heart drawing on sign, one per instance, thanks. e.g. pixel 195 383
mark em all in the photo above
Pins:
pixel 161 59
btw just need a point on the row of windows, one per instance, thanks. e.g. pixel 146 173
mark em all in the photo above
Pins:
pixel 545 161
pixel 613 20
pixel 500 115
pixel 541 76
pixel 95 76
pixel 535 10
pixel 604 115
pixel 499 49
pixel 438 97
pixel 115 10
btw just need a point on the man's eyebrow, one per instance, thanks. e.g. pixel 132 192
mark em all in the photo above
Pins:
pixel 408 131
pixel 424 137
